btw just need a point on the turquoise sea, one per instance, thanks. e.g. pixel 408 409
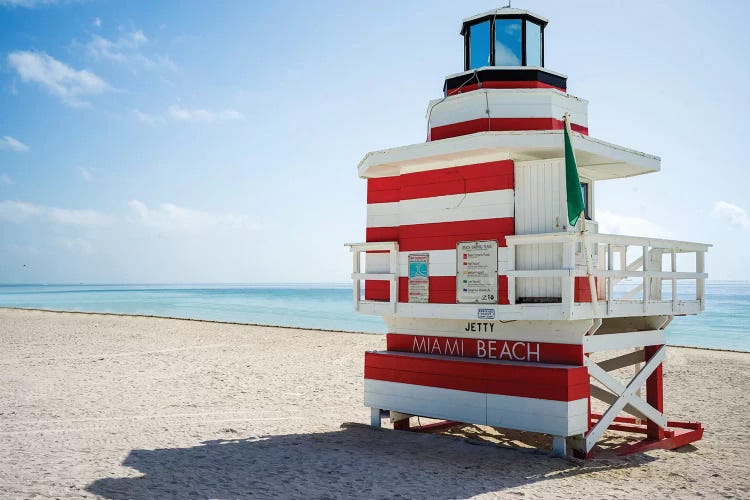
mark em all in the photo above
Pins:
pixel 725 324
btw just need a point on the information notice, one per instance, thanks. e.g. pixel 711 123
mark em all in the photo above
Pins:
pixel 476 272
pixel 419 278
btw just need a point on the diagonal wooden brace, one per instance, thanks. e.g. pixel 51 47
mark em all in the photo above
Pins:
pixel 609 398
pixel 626 395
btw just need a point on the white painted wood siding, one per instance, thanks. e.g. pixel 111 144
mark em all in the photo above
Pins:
pixel 434 402
pixel 556 332
pixel 559 418
pixel 449 208
pixel 508 103
pixel 540 202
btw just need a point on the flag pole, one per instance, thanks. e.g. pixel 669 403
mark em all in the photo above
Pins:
pixel 584 240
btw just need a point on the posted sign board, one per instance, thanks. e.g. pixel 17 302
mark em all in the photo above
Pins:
pixel 419 277
pixel 476 272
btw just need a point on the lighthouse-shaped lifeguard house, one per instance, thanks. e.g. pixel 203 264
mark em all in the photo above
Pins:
pixel 493 300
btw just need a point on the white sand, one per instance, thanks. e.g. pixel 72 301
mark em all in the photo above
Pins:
pixel 130 407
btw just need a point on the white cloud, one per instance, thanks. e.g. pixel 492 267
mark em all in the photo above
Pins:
pixel 612 223
pixel 5 179
pixel 10 144
pixel 76 246
pixel 505 57
pixel 77 217
pixel 115 50
pixel 736 215
pixel 172 217
pixel 29 4
pixel 58 78
pixel 96 22
pixel 204 115
pixel 19 211
pixel 127 49
pixel 86 174
pixel 166 217
pixel 148 118
pixel 22 250
pixel 180 114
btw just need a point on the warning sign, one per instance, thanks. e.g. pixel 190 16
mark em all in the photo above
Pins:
pixel 419 277
pixel 476 272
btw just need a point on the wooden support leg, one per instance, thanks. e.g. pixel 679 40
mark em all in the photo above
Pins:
pixel 402 425
pixel 375 417
pixel 577 445
pixel 559 447
pixel 400 421
pixel 655 394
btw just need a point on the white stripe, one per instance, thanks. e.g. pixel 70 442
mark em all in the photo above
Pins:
pixel 554 332
pixel 509 103
pixel 450 208
pixel 448 404
pixel 560 418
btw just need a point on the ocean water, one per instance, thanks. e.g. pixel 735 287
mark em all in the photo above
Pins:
pixel 725 324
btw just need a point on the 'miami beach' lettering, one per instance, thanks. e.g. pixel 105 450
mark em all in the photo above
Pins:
pixel 509 350
pixel 438 345
pixel 502 349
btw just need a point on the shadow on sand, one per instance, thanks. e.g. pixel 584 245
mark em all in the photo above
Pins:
pixel 354 462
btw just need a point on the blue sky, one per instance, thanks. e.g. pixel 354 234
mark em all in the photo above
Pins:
pixel 218 141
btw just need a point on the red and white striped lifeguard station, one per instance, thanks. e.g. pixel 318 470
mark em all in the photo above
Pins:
pixel 484 285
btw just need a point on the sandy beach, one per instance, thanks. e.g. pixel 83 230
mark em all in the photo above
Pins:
pixel 106 406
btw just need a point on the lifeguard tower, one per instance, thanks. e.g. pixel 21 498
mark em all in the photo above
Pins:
pixel 493 300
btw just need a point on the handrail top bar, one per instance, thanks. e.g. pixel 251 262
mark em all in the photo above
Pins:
pixel 374 245
pixel 522 239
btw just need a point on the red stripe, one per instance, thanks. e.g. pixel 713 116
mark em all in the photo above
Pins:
pixel 383 189
pixel 504 85
pixel 443 235
pixel 582 290
pixel 507 350
pixel 500 125
pixel 442 290
pixel 480 177
pixel 382 233
pixel 509 379
pixel 378 290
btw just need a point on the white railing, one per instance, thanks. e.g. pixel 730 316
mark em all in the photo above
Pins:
pixel 392 275
pixel 647 268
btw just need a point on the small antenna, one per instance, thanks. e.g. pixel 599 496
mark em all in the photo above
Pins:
pixel 506 6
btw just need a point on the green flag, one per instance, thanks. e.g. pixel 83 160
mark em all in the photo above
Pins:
pixel 572 182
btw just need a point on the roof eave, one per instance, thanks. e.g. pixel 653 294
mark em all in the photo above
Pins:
pixel 597 159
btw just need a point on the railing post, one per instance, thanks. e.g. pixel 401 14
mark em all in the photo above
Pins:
pixel 674 281
pixel 356 288
pixel 568 283
pixel 700 283
pixel 610 281
pixel 646 279
pixel 655 264
pixel 394 265
pixel 511 279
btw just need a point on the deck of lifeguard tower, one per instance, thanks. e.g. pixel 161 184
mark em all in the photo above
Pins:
pixel 494 295
pixel 558 254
